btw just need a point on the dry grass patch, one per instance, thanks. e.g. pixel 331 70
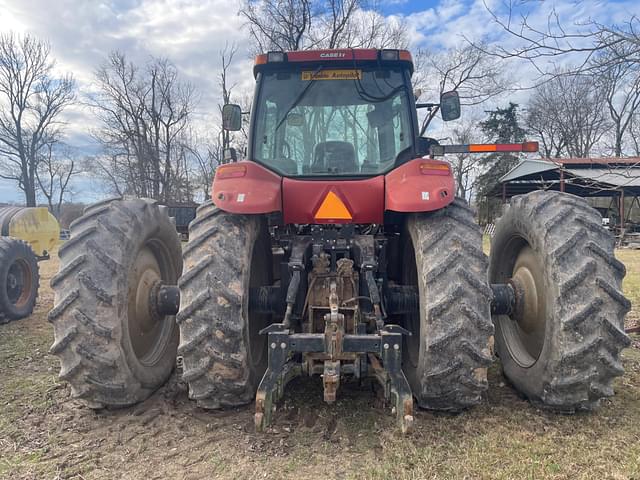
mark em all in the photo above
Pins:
pixel 46 435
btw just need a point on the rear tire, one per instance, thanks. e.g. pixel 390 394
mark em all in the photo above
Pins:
pixel 446 358
pixel 114 349
pixel 224 356
pixel 562 351
pixel 19 279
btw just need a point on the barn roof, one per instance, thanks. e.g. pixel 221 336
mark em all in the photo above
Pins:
pixel 585 177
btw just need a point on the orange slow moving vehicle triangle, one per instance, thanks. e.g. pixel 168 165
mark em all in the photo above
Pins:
pixel 332 208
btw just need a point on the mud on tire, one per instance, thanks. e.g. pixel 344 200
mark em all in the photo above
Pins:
pixel 19 279
pixel 224 357
pixel 566 355
pixel 110 353
pixel 447 357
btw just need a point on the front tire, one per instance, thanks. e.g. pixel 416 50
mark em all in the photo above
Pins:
pixel 114 348
pixel 446 358
pixel 224 356
pixel 561 348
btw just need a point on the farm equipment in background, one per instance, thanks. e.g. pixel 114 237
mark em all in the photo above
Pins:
pixel 338 249
pixel 27 235
pixel 183 215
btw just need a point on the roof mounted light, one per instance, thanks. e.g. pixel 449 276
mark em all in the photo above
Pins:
pixel 275 57
pixel 389 55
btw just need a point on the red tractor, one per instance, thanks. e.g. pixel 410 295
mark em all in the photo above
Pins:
pixel 338 249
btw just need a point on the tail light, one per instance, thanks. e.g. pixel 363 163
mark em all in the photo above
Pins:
pixel 435 168
pixel 231 171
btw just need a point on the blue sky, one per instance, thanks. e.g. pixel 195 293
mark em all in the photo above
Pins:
pixel 192 32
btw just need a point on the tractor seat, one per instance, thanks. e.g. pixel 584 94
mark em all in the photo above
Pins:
pixel 334 157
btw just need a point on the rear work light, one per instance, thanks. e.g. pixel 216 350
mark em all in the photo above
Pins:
pixel 388 55
pixel 435 168
pixel 231 171
pixel 275 57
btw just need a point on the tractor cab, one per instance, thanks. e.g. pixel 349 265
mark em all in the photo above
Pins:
pixel 333 117
pixel 338 113
pixel 334 124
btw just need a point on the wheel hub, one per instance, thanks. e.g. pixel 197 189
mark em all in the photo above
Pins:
pixel 12 281
pixel 527 324
pixel 146 313
pixel 18 283
pixel 145 322
pixel 526 311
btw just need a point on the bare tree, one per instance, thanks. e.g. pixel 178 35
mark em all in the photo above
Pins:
pixel 581 111
pixel 583 40
pixel 620 82
pixel 31 102
pixel 226 57
pixel 543 120
pixel 143 112
pixel 277 24
pixel 335 23
pixel 356 24
pixel 465 166
pixel 474 74
pixel 207 154
pixel 55 169
pixel 634 134
pixel 304 24
pixel 609 54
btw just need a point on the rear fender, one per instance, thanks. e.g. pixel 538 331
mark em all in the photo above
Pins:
pixel 246 187
pixel 420 185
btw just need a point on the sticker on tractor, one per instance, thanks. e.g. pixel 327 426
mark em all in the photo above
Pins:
pixel 240 197
pixel 425 195
pixel 332 75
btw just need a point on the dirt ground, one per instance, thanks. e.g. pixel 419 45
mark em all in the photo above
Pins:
pixel 46 435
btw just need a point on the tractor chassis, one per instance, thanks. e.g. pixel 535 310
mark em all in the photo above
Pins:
pixel 336 351
pixel 344 347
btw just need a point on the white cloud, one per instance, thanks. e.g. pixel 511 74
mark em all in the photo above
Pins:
pixel 191 33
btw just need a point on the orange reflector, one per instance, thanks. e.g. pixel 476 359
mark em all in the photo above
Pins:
pixel 483 148
pixel 434 168
pixel 332 208
pixel 231 171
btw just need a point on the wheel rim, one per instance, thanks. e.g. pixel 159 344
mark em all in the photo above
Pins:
pixel 19 283
pixel 149 332
pixel 524 330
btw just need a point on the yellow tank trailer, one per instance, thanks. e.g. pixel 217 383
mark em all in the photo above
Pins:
pixel 27 235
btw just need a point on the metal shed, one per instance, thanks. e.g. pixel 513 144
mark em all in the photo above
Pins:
pixel 614 178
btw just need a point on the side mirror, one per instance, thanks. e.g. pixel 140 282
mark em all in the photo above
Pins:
pixel 231 117
pixel 450 106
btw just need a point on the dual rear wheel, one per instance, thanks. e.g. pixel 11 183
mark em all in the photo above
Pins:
pixel 560 347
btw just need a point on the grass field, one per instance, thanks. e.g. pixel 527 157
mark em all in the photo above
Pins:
pixel 46 435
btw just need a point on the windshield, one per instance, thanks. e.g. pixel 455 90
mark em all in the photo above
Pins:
pixel 328 121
